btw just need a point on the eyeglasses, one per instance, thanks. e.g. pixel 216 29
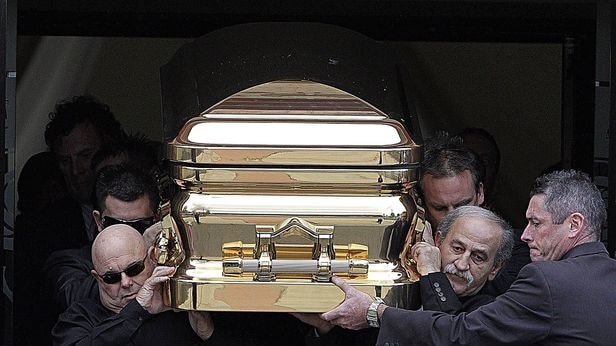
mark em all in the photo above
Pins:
pixel 140 224
pixel 133 269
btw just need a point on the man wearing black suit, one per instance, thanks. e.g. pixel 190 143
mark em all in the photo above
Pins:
pixel 472 245
pixel 565 297
pixel 452 176
pixel 125 195
pixel 129 300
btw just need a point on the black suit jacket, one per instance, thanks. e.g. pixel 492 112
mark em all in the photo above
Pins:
pixel 567 302
pixel 68 278
pixel 438 295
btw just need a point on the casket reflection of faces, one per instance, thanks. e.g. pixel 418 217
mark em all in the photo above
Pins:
pixel 282 186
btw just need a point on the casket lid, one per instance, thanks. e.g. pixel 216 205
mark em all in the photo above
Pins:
pixel 298 123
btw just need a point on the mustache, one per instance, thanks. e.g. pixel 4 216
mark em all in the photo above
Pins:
pixel 466 275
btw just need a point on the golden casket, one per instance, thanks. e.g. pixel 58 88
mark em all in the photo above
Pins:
pixel 282 186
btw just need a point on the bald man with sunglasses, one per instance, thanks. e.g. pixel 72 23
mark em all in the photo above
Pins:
pixel 125 195
pixel 129 309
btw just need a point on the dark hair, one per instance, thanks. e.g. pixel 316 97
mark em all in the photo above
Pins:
pixel 80 110
pixel 446 156
pixel 506 243
pixel 570 191
pixel 125 183
pixel 138 150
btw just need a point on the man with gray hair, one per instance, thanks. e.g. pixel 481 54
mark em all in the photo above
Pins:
pixel 452 176
pixel 565 297
pixel 472 244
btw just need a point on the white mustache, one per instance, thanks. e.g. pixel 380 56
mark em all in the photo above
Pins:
pixel 466 275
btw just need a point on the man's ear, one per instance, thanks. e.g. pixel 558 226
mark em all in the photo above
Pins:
pixel 576 224
pixel 438 239
pixel 98 219
pixel 480 195
pixel 152 255
pixel 495 269
pixel 94 274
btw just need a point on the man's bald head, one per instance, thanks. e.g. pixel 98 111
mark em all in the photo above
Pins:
pixel 121 265
pixel 114 241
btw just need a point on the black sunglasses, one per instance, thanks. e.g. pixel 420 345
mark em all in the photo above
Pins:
pixel 133 269
pixel 140 225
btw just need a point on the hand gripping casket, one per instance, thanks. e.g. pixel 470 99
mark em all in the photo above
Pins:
pixel 282 186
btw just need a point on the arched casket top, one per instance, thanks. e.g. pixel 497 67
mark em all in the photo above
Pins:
pixel 224 62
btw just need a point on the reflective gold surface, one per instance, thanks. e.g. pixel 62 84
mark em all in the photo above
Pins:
pixel 293 99
pixel 185 148
pixel 281 187
pixel 213 220
pixel 335 181
pixel 202 288
pixel 261 296
pixel 293 251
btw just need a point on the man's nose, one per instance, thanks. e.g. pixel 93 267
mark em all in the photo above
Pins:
pixel 463 262
pixel 526 237
pixel 127 281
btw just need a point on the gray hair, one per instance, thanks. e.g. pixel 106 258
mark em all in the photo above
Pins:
pixel 506 243
pixel 570 191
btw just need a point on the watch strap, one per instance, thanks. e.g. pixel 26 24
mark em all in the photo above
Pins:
pixel 372 316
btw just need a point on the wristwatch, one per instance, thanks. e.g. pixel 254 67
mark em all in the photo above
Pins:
pixel 372 316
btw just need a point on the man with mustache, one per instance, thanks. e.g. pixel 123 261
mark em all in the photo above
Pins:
pixel 453 176
pixel 472 245
pixel 564 297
